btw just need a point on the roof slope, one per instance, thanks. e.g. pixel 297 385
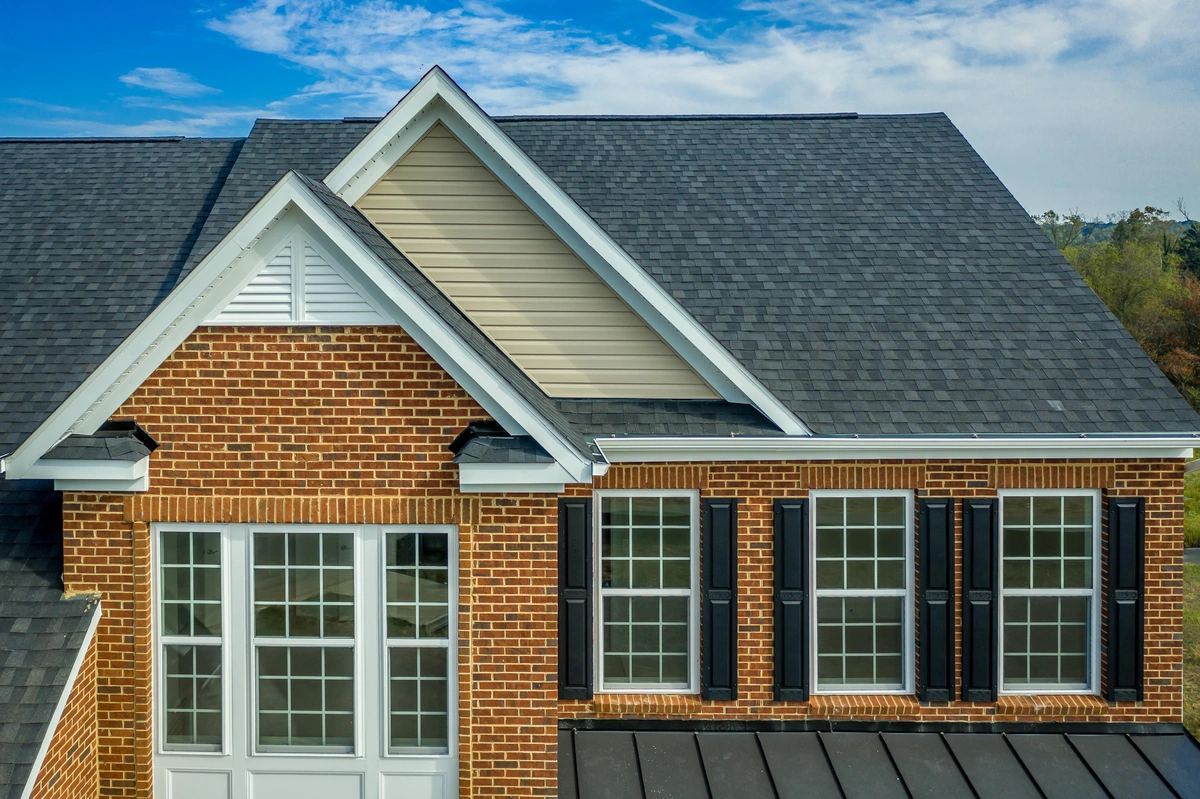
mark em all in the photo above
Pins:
pixel 40 632
pixel 93 235
pixel 880 765
pixel 871 271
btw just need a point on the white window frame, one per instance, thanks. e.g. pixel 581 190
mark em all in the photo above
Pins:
pixel 908 626
pixel 357 644
pixel 450 642
pixel 162 641
pixel 693 594
pixel 238 755
pixel 1095 593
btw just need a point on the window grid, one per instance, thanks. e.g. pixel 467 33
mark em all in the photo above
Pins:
pixel 190 630
pixel 303 596
pixel 646 613
pixel 305 697
pixel 417 606
pixel 862 579
pixel 1048 592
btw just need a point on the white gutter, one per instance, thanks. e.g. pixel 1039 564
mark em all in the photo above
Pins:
pixel 822 448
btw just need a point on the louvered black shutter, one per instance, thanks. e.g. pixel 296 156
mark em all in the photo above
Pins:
pixel 791 591
pixel 937 599
pixel 575 598
pixel 1126 559
pixel 718 633
pixel 980 547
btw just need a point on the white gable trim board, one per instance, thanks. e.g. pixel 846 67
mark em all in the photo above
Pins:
pixel 436 98
pixel 225 273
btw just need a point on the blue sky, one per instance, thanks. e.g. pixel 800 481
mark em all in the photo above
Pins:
pixel 1087 104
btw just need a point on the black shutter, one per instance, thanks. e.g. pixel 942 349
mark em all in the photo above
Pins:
pixel 937 599
pixel 575 598
pixel 718 633
pixel 791 609
pixel 980 548
pixel 1126 559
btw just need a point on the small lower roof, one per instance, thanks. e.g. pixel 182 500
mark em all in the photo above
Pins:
pixel 610 764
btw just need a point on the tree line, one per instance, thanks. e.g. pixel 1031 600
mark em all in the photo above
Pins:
pixel 1146 268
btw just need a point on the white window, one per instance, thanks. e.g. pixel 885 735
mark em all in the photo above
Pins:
pixel 862 566
pixel 191 624
pixel 302 660
pixel 1049 597
pixel 647 545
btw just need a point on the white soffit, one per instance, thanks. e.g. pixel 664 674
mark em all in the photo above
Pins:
pixel 227 270
pixel 821 448
pixel 437 98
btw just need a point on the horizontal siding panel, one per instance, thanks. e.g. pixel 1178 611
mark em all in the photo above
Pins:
pixel 328 296
pixel 268 295
pixel 509 272
pixel 408 231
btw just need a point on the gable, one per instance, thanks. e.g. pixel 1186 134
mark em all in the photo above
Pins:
pixel 300 283
pixel 524 287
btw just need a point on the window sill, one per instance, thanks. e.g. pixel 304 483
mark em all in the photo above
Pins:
pixel 1051 705
pixel 863 704
pixel 645 704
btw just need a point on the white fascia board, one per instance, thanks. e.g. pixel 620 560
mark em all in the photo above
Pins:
pixel 429 101
pixel 216 280
pixel 522 478
pixel 821 448
pixel 62 469
pixel 61 707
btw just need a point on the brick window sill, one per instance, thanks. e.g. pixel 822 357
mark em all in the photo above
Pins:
pixel 863 705
pixel 645 704
pixel 1051 705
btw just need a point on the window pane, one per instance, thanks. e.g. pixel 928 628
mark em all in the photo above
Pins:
pixel 190 583
pixel 304 585
pixel 645 640
pixel 418 590
pixel 306 697
pixel 419 687
pixel 855 553
pixel 1046 641
pixel 192 680
pixel 860 642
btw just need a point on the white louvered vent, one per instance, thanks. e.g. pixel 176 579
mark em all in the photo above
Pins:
pixel 328 297
pixel 273 296
pixel 269 295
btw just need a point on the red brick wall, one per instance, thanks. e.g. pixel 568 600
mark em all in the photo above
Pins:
pixel 351 426
pixel 70 770
pixel 757 485
pixel 331 426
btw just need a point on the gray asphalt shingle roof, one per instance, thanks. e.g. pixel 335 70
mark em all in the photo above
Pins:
pixel 93 235
pixel 40 631
pixel 871 271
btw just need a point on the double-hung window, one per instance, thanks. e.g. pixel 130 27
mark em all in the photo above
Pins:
pixel 191 622
pixel 418 640
pixel 647 544
pixel 863 584
pixel 304 589
pixel 1049 597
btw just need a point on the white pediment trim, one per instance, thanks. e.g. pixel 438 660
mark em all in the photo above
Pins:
pixel 288 209
pixel 437 98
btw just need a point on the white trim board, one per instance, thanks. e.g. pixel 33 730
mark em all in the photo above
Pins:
pixel 438 98
pixel 821 448
pixel 222 275
pixel 61 707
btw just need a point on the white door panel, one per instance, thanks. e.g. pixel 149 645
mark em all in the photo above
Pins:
pixel 198 784
pixel 269 785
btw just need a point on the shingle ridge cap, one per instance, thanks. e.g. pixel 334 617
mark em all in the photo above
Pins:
pixel 103 139
pixel 636 117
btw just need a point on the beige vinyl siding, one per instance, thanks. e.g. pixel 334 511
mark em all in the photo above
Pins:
pixel 518 281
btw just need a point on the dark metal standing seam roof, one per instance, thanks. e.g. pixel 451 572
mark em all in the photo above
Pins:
pixel 596 764
pixel 40 632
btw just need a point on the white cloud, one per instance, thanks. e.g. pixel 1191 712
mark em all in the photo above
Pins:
pixel 166 80
pixel 1075 103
